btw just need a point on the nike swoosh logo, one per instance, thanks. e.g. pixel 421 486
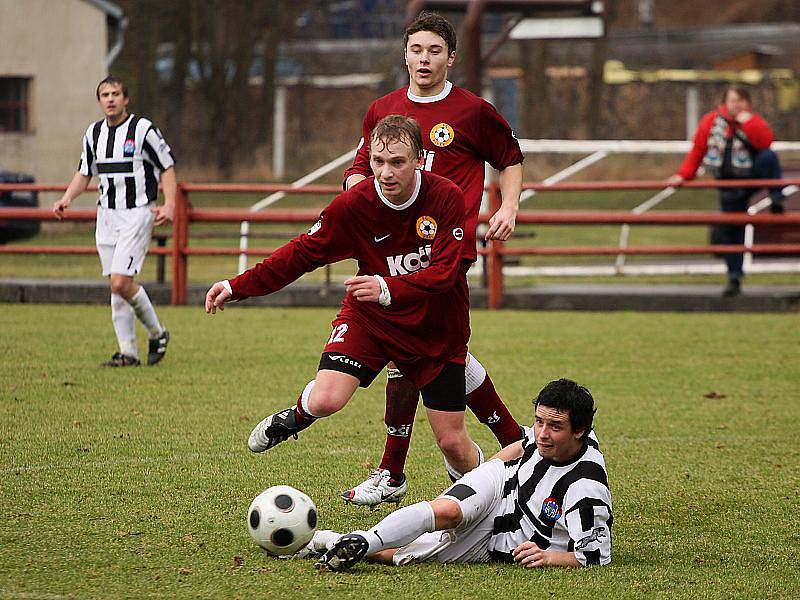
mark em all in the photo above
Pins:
pixel 380 239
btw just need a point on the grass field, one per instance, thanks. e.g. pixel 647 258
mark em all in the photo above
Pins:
pixel 136 483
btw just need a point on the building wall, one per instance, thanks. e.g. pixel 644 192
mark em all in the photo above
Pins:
pixel 62 46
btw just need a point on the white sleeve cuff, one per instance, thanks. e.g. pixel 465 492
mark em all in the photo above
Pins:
pixel 227 285
pixel 385 299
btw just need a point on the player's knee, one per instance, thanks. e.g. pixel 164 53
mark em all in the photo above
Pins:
pixel 326 401
pixel 453 444
pixel 121 286
pixel 447 513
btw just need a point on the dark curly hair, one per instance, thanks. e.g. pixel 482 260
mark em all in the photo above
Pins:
pixel 567 396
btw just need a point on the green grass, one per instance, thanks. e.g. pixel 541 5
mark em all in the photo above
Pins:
pixel 135 483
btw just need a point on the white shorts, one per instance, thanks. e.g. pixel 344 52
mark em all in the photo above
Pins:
pixel 123 237
pixel 469 542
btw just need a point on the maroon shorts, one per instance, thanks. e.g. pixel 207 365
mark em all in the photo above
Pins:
pixel 350 342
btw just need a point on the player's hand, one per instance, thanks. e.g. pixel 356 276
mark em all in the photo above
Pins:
pixel 216 297
pixel 59 206
pixel 675 181
pixel 530 556
pixel 364 288
pixel 164 214
pixel 743 116
pixel 502 224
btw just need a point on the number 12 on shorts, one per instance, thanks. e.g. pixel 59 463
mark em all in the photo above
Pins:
pixel 337 335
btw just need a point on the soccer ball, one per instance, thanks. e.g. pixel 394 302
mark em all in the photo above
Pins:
pixel 282 520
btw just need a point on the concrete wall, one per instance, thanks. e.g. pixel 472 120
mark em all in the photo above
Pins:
pixel 62 46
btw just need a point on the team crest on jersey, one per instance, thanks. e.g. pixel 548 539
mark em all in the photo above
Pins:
pixel 426 227
pixel 551 509
pixel 129 147
pixel 442 135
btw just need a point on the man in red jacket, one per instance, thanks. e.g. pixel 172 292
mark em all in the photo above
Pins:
pixel 406 230
pixel 733 142
pixel 461 132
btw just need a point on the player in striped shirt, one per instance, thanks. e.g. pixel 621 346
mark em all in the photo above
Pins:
pixel 543 501
pixel 129 155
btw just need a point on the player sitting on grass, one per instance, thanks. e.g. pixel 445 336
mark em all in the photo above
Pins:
pixel 543 501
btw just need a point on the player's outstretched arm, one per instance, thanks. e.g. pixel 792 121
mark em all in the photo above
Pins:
pixel 165 213
pixel 76 187
pixel 216 297
pixel 504 221
pixel 530 556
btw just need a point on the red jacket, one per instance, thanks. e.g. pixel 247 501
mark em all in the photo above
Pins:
pixel 756 129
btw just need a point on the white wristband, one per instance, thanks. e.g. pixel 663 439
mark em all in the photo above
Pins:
pixel 227 285
pixel 385 299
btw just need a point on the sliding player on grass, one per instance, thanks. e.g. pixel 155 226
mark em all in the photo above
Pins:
pixel 540 502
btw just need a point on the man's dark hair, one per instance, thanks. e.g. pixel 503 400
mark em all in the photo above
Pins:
pixel 112 80
pixel 739 90
pixel 430 21
pixel 565 395
pixel 398 128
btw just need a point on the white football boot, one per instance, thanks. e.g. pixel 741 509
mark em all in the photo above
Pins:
pixel 377 488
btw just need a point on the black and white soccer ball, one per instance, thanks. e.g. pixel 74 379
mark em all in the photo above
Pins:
pixel 282 520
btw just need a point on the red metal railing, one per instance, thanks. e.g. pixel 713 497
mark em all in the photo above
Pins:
pixel 180 251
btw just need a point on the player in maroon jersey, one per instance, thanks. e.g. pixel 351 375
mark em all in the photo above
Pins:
pixel 461 132
pixel 405 305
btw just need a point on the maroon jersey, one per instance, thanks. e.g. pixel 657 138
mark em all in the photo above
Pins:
pixel 460 132
pixel 417 248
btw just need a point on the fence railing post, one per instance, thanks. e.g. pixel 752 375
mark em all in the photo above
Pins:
pixel 495 266
pixel 180 237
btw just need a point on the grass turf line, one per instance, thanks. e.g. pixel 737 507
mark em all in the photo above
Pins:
pixel 136 482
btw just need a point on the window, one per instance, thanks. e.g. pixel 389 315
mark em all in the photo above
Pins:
pixel 14 111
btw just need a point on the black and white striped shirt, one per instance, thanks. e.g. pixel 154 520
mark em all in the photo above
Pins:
pixel 128 158
pixel 564 507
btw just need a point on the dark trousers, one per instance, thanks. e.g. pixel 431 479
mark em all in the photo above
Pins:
pixel 737 200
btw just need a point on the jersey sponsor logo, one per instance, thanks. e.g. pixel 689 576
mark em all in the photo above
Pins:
pixel 596 535
pixel 344 360
pixel 129 147
pixel 403 264
pixel 551 509
pixel 458 233
pixel 315 227
pixel 442 135
pixel 426 227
